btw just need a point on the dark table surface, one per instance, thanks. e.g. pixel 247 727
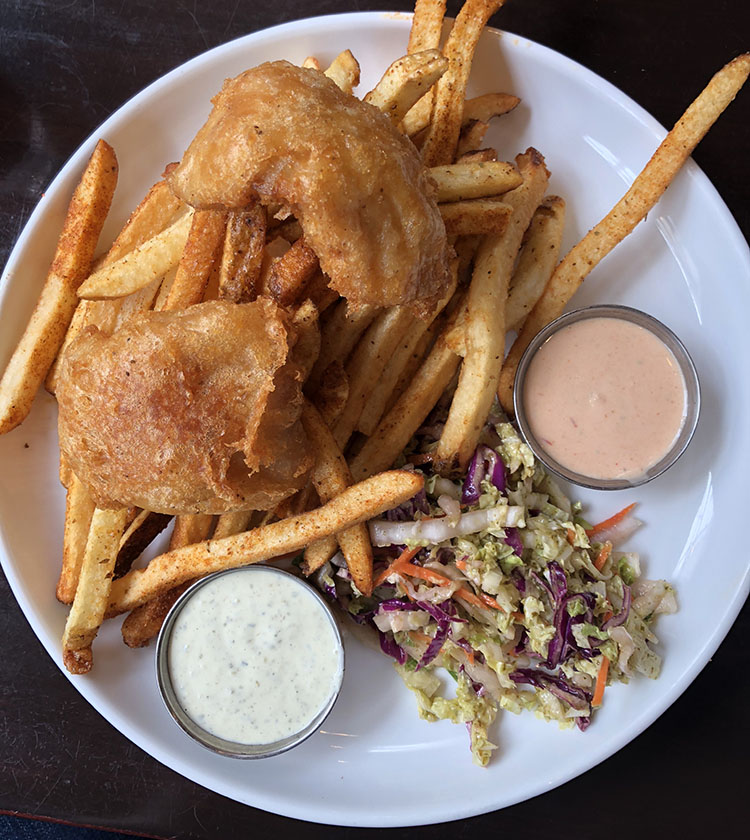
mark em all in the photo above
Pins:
pixel 64 67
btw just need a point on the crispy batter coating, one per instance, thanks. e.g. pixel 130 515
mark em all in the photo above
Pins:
pixel 187 412
pixel 358 187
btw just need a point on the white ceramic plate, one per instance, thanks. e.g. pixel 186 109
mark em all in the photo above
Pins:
pixel 688 265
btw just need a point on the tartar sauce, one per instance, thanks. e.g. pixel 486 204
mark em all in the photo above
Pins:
pixel 605 398
pixel 254 657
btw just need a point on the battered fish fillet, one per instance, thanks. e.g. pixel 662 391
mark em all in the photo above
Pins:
pixel 186 412
pixel 358 187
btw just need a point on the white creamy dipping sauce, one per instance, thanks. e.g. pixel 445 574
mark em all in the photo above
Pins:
pixel 254 657
pixel 605 398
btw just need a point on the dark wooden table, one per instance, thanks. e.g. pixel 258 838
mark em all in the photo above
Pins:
pixel 64 67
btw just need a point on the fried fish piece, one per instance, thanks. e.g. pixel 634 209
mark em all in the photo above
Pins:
pixel 193 411
pixel 358 187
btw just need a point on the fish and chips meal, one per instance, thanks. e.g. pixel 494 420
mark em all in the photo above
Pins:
pixel 296 347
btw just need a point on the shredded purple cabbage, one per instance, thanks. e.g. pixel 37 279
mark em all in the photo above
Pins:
pixel 390 647
pixel 557 684
pixel 486 463
pixel 621 616
pixel 435 646
pixel 513 539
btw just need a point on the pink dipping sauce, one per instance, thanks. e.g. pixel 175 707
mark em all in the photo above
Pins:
pixel 605 398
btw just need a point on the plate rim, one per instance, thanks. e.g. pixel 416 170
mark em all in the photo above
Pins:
pixel 637 725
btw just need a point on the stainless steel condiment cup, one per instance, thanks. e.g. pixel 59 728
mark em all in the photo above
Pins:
pixel 689 375
pixel 207 739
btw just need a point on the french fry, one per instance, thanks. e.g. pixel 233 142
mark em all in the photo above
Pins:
pixel 191 528
pixel 317 554
pixel 79 508
pixel 141 532
pixel 415 361
pixel 331 476
pixel 405 82
pixel 356 504
pixel 466 249
pixel 291 273
pixel 307 347
pixel 471 138
pixel 478 156
pixel 144 622
pixel 367 363
pixel 536 261
pixel 152 296
pixel 311 63
pixel 331 395
pixel 141 266
pixel 233 523
pixel 45 331
pixel 340 333
pixel 447 113
pixel 489 105
pixel 485 321
pixel 462 181
pixel 478 216
pixel 242 257
pixel 646 190
pixel 201 251
pixel 396 429
pixel 344 71
pixel 93 590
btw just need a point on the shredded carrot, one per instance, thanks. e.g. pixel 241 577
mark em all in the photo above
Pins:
pixel 606 617
pixel 609 523
pixel 422 573
pixel 604 553
pixel 462 564
pixel 571 536
pixel 404 557
pixel 517 616
pixel 601 682
pixel 420 637
pixel 491 602
pixel 470 598
pixel 470 656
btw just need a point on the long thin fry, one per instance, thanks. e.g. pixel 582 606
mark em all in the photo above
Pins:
pixel 191 528
pixel 447 113
pixel 317 554
pixel 405 82
pixel 144 528
pixel 645 191
pixel 479 216
pixel 425 34
pixel 357 503
pixel 233 523
pixel 242 258
pixel 137 269
pixel 291 273
pixel 144 622
pixel 45 332
pixel 79 508
pixel 485 321
pixel 482 108
pixel 93 591
pixel 462 181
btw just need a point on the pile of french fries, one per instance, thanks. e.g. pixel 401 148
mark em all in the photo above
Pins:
pixel 374 374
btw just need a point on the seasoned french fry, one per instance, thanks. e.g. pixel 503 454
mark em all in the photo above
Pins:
pixel 291 273
pixel 344 70
pixel 93 590
pixel 396 429
pixel 536 261
pixel 478 216
pixel 79 508
pixel 191 528
pixel 141 532
pixel 233 523
pixel 367 363
pixel 405 82
pixel 442 135
pixel 141 266
pixel 144 622
pixel 307 347
pixel 242 257
pixel 331 477
pixel 319 553
pixel 356 504
pixel 201 251
pixel 485 321
pixel 489 105
pixel 340 333
pixel 152 296
pixel 645 191
pixel 45 331
pixel 462 181
pixel 415 361
pixel 471 138
pixel 478 156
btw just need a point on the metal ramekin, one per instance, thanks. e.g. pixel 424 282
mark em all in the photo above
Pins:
pixel 668 338
pixel 186 723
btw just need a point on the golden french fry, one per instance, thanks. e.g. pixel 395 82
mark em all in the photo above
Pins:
pixel 470 138
pixel 311 63
pixel 344 70
pixel 199 255
pixel 141 266
pixel 340 333
pixel 144 622
pixel 478 216
pixel 645 191
pixel 307 346
pixel 489 105
pixel 367 363
pixel 317 554
pixel 442 135
pixel 396 429
pixel 485 321
pixel 466 249
pixel 290 273
pixel 536 261
pixel 141 532
pixel 462 181
pixel 153 296
pixel 405 82
pixel 414 362
pixel 93 590
pixel 191 528
pixel 477 156
pixel 233 523
pixel 79 508
pixel 242 257
pixel 45 331
pixel 356 504
pixel 331 476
